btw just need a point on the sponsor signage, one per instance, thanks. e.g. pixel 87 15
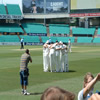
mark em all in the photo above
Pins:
pixel 37 34
pixel 59 6
pixel 49 6
pixel 84 14
pixel 11 17
pixel 31 43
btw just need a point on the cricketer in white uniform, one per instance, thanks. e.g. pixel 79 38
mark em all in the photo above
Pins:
pixel 69 45
pixel 64 58
pixel 46 56
pixel 52 57
pixel 57 56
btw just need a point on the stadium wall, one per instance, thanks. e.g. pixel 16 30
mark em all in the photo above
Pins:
pixel 9 43
pixel 17 43
pixel 73 44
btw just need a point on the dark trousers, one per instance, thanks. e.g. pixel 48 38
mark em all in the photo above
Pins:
pixel 22 46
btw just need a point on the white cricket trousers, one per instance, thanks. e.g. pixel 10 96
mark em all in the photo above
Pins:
pixel 64 63
pixel 45 62
pixel 52 62
pixel 57 58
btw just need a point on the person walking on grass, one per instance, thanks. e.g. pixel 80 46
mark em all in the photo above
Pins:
pixel 24 71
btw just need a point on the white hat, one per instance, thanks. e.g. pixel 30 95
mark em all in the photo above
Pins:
pixel 61 42
pixel 47 41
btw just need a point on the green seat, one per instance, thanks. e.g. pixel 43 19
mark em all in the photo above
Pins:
pixel 98 31
pixel 44 38
pixel 7 27
pixel 83 31
pixel 13 9
pixel 34 28
pixel 9 38
pixel 96 40
pixel 2 9
pixel 59 29
pixel 27 38
pixel 84 39
pixel 65 39
pixel 53 39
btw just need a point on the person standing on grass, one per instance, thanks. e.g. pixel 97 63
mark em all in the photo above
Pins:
pixel 89 82
pixel 46 56
pixel 52 57
pixel 57 56
pixel 64 58
pixel 69 45
pixel 24 71
pixel 22 43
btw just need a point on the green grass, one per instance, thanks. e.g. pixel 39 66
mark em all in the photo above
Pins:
pixel 83 59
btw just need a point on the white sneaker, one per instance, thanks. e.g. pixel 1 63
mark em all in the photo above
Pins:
pixel 26 93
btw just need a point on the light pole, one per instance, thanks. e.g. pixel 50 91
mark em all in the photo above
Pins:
pixel 44 12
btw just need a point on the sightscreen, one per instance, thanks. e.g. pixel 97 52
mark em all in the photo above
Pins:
pixel 81 8
pixel 85 4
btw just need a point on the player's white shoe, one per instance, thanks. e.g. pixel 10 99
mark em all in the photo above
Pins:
pixel 26 93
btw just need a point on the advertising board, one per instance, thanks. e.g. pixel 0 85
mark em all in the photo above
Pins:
pixel 50 6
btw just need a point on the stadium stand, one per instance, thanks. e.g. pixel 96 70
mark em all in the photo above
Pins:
pixel 13 9
pixel 53 39
pixel 65 39
pixel 59 29
pixel 15 39
pixel 84 39
pixel 96 40
pixel 2 10
pixel 44 38
pixel 98 33
pixel 34 29
pixel 83 31
pixel 9 38
pixel 10 28
pixel 34 39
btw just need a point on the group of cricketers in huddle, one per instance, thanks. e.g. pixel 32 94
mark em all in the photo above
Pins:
pixel 55 57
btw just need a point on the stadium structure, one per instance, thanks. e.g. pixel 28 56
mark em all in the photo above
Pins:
pixel 37 20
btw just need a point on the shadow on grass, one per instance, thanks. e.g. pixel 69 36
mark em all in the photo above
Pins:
pixel 70 71
pixel 35 93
